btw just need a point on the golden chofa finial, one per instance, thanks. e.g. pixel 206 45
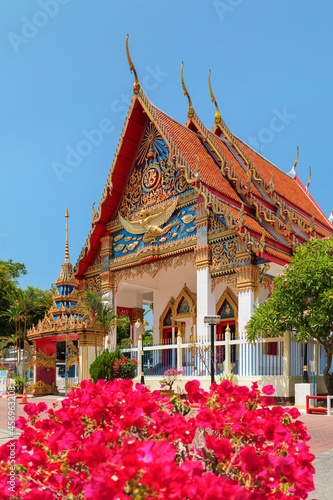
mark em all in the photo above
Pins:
pixel 136 86
pixel 308 183
pixel 66 248
pixel 217 113
pixel 190 111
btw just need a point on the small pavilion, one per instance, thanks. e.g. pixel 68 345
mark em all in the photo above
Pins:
pixel 63 322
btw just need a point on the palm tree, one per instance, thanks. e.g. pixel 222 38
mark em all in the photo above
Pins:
pixel 106 317
pixel 91 305
pixel 14 315
pixel 28 300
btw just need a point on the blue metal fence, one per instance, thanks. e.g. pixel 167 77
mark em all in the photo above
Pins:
pixel 265 358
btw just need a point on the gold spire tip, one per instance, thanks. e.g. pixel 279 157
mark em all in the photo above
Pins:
pixel 295 164
pixel 190 111
pixel 308 183
pixel 217 112
pixel 136 86
pixel 66 247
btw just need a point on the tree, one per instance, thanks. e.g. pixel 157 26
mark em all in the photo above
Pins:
pixel 14 315
pixel 29 301
pixel 106 317
pixel 91 303
pixel 44 298
pixel 100 313
pixel 123 331
pixel 302 301
pixel 9 273
pixel 25 307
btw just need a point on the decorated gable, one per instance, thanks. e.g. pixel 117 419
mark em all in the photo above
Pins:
pixel 158 205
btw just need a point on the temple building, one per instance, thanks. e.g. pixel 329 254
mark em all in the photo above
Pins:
pixel 192 222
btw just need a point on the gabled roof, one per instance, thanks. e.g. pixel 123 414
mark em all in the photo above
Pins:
pixel 271 211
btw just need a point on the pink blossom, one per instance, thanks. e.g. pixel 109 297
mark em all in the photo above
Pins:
pixel 110 440
pixel 268 389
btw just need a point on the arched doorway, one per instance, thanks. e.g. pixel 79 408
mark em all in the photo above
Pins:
pixel 227 309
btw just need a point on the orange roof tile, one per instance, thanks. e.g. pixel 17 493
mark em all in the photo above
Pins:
pixel 191 147
pixel 286 187
pixel 232 160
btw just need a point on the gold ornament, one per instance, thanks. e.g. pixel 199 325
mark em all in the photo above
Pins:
pixel 148 221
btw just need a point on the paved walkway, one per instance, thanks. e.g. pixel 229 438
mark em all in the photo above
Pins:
pixel 320 428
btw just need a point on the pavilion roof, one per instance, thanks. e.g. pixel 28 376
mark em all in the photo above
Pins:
pixel 277 212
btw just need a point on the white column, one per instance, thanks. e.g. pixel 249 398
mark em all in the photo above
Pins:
pixel 86 356
pixel 245 311
pixel 179 352
pixel 173 341
pixel 140 355
pixel 205 301
pixel 247 280
pixel 286 354
pixel 227 366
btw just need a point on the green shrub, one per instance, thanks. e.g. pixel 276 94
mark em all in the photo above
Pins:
pixel 111 365
pixel 19 382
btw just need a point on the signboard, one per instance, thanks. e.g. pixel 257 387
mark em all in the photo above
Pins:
pixel 313 366
pixel 3 381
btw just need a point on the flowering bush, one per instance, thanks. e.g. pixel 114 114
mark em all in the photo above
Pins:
pixel 170 377
pixel 125 368
pixel 111 441
pixel 111 365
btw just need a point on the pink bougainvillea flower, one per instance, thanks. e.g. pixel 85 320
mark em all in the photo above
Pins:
pixel 268 389
pixel 110 440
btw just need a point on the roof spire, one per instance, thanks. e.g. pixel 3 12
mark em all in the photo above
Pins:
pixel 136 86
pixel 67 248
pixel 190 111
pixel 292 172
pixel 308 183
pixel 217 112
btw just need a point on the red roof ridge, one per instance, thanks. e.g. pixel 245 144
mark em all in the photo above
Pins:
pixel 301 185
pixel 261 156
pixel 170 117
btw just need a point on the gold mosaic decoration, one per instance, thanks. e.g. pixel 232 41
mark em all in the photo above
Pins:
pixel 151 143
pixel 156 182
pixel 41 387
pixel 94 284
pixel 228 279
pixel 152 268
pixel 118 237
pixel 71 354
pixel 38 358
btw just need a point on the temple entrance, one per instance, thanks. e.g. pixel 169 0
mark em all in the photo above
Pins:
pixel 227 308
pixel 169 334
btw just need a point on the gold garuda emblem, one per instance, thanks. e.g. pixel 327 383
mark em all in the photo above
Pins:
pixel 148 221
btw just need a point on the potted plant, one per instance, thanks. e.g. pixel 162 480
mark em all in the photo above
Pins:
pixel 170 377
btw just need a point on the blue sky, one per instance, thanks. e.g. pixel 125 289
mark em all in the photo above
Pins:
pixel 64 73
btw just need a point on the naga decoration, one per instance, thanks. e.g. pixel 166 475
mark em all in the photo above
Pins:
pixel 308 183
pixel 217 112
pixel 136 86
pixel 190 111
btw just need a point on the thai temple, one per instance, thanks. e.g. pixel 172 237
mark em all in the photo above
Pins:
pixel 192 222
